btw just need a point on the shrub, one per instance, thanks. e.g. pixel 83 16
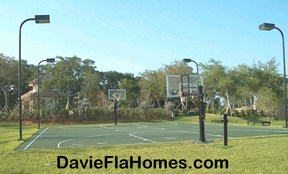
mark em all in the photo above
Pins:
pixel 3 115
pixel 242 113
pixel 184 111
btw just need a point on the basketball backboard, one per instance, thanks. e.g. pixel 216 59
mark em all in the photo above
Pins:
pixel 183 85
pixel 117 94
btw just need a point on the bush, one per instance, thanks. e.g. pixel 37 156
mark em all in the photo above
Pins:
pixel 242 113
pixel 251 113
pixel 140 114
pixel 184 111
pixel 3 115
pixel 63 115
pixel 63 112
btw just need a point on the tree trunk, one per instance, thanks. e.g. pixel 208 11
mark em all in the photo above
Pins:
pixel 210 103
pixel 68 101
pixel 251 102
pixel 6 107
pixel 228 103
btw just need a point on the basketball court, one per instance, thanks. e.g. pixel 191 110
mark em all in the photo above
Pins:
pixel 182 86
pixel 133 133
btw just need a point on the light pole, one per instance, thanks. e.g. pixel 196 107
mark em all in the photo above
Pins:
pixel 201 105
pixel 39 19
pixel 49 60
pixel 268 27
pixel 190 60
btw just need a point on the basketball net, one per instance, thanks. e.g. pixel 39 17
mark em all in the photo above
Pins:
pixel 117 98
pixel 180 93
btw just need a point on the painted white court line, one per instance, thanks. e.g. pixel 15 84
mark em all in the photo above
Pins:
pixel 141 126
pixel 145 139
pixel 124 128
pixel 104 127
pixel 90 136
pixel 35 139
pixel 58 145
pixel 262 130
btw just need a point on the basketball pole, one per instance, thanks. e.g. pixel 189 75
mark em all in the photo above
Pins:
pixel 115 110
pixel 201 114
pixel 201 104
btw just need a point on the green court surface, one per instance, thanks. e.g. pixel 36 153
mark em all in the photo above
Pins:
pixel 99 135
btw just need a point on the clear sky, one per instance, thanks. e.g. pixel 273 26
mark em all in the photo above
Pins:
pixel 135 35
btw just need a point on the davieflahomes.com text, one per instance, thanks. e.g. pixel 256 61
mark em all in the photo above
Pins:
pixel 137 162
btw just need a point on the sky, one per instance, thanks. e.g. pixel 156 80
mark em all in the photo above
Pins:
pixel 132 36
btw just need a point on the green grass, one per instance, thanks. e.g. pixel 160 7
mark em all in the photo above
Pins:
pixel 9 135
pixel 214 119
pixel 250 155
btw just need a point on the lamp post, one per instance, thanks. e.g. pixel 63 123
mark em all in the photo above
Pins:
pixel 190 60
pixel 268 27
pixel 201 105
pixel 49 60
pixel 39 19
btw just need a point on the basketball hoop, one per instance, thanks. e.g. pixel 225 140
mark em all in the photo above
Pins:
pixel 183 85
pixel 180 93
pixel 117 98
pixel 116 94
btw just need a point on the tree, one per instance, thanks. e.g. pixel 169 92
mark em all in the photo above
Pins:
pixel 245 85
pixel 213 73
pixel 153 82
pixel 91 87
pixel 268 101
pixel 132 90
pixel 178 68
pixel 67 76
pixel 111 79
pixel 8 79
pixel 150 86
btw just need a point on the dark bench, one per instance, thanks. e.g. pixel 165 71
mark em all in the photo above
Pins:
pixel 264 123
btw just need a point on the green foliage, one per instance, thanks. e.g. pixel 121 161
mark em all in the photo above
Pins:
pixel 8 81
pixel 244 85
pixel 242 113
pixel 156 113
pixel 153 82
pixel 3 115
pixel 91 87
pixel 268 101
pixel 132 91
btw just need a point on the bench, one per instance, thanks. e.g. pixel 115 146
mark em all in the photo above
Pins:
pixel 264 123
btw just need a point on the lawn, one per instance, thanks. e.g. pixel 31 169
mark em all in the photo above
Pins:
pixel 249 155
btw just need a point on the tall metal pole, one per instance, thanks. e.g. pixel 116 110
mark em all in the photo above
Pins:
pixel 201 105
pixel 38 94
pixel 284 76
pixel 268 27
pixel 20 80
pixel 38 97
pixel 49 60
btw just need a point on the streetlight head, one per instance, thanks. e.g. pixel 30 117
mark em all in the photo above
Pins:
pixel 266 26
pixel 50 60
pixel 42 19
pixel 186 60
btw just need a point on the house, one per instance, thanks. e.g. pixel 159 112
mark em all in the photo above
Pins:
pixel 30 99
